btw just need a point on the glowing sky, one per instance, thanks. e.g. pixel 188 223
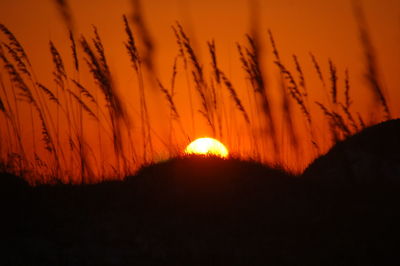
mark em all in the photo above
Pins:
pixel 325 28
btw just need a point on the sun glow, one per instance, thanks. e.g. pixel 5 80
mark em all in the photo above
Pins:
pixel 207 146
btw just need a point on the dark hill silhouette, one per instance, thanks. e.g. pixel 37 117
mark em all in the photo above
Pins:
pixel 369 157
pixel 211 182
pixel 211 211
pixel 192 210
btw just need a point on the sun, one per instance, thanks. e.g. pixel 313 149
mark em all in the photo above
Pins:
pixel 207 146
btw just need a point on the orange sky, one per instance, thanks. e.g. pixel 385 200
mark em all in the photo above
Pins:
pixel 325 28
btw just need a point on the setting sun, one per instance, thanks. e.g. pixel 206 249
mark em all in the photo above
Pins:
pixel 207 146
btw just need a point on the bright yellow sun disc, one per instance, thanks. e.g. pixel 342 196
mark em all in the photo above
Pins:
pixel 207 146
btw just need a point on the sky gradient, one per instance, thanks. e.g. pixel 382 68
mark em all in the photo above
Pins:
pixel 328 29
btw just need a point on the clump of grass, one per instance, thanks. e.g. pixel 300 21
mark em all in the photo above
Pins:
pixel 302 82
pixel 317 68
pixel 336 120
pixel 49 93
pixel 234 96
pixel 136 61
pixel 333 79
pixel 74 51
pixel 16 46
pixel 27 94
pixel 250 59
pixel 372 74
pixel 206 95
pixel 83 105
pixel 348 102
pixel 295 91
pixel 169 97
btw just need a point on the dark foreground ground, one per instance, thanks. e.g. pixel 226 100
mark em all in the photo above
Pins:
pixel 344 210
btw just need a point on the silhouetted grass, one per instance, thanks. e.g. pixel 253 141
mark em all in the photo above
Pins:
pixel 66 145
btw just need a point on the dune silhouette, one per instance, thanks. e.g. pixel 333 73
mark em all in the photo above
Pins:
pixel 371 156
pixel 207 210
